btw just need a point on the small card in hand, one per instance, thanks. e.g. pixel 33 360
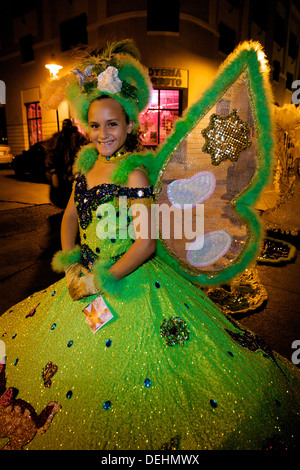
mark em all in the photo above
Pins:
pixel 97 314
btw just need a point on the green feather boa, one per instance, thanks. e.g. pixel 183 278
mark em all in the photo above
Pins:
pixel 64 259
pixel 105 281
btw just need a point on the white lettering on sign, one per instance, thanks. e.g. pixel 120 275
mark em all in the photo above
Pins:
pixel 168 77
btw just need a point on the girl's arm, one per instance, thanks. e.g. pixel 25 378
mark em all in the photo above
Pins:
pixel 142 248
pixel 69 225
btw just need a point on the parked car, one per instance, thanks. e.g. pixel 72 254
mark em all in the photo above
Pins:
pixel 5 154
pixel 31 161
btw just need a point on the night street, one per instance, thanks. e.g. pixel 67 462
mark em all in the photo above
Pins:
pixel 30 236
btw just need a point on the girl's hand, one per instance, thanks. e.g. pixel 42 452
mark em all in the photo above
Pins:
pixel 80 282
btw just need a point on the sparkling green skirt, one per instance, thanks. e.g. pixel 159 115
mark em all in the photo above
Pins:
pixel 168 371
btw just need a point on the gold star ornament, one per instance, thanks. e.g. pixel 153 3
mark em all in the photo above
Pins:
pixel 226 137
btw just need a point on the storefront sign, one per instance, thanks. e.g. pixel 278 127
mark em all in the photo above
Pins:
pixel 168 77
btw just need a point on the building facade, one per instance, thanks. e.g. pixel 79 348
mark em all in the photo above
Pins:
pixel 182 42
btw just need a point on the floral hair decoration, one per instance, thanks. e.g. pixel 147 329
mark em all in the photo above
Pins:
pixel 116 71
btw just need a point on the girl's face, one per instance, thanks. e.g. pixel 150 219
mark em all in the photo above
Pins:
pixel 108 126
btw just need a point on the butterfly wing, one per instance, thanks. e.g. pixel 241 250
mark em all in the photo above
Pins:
pixel 210 171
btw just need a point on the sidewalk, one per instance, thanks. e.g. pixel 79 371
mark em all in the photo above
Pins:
pixel 279 322
pixel 29 237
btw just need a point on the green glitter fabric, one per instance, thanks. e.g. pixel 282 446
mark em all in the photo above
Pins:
pixel 168 369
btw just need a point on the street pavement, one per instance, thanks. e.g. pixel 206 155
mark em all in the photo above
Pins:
pixel 30 235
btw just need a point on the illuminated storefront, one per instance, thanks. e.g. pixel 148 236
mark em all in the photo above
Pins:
pixel 34 122
pixel 166 104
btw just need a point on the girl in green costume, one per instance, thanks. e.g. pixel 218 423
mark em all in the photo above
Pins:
pixel 166 369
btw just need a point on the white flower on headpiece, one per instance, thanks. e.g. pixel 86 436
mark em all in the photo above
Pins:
pixel 109 80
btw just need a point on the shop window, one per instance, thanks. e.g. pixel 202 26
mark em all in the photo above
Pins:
pixel 158 121
pixel 34 122
pixel 73 32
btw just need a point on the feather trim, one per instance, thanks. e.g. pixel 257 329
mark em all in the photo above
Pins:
pixel 86 159
pixel 54 91
pixel 104 280
pixel 64 259
pixel 125 167
pixel 126 46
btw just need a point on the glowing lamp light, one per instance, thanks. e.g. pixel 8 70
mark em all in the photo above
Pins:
pixel 54 69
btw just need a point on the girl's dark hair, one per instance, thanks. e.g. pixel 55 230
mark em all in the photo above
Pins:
pixel 133 142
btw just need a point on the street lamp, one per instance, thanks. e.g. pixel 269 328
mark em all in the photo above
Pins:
pixel 54 69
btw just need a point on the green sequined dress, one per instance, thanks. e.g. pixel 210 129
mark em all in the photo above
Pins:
pixel 169 371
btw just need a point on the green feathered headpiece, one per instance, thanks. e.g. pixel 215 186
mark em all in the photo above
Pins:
pixel 115 71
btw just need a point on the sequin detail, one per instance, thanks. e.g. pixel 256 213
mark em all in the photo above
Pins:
pixel 147 383
pixel 88 257
pixel 226 137
pixel 32 312
pixel 48 372
pixel 247 340
pixel 87 200
pixel 19 420
pixel 175 331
